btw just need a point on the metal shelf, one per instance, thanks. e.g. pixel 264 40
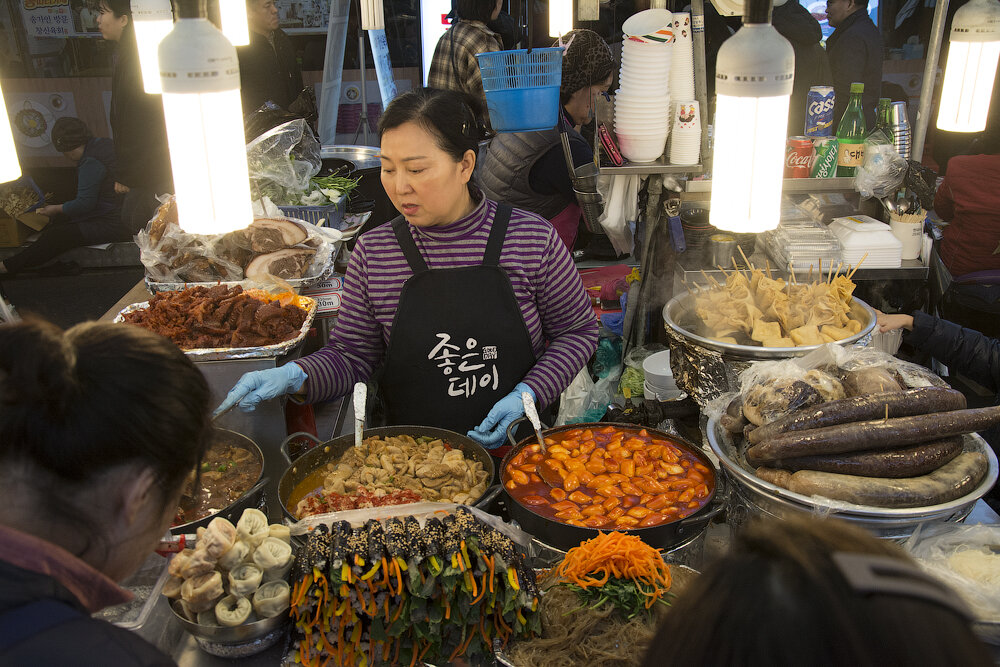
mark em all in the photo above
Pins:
pixel 790 185
pixel 660 166
pixel 911 269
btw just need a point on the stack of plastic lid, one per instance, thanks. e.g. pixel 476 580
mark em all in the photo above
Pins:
pixel 865 237
pixel 803 243
pixel 658 378
pixel 697 230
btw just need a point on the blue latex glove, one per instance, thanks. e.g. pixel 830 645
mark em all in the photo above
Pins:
pixel 258 386
pixel 493 431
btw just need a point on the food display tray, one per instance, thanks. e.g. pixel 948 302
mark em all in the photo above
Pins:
pixel 229 353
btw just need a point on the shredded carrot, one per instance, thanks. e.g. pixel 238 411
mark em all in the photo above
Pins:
pixel 621 556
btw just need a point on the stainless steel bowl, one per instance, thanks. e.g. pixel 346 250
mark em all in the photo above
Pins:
pixel 363 157
pixel 752 496
pixel 235 642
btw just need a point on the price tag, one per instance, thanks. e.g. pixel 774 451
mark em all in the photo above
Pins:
pixel 328 294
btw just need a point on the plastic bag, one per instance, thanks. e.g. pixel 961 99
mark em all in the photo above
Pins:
pixel 574 399
pixel 956 554
pixel 282 161
pixel 883 170
pixel 622 206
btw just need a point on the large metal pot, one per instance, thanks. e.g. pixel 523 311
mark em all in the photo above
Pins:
pixel 565 536
pixel 706 368
pixel 753 497
pixel 322 453
pixel 253 497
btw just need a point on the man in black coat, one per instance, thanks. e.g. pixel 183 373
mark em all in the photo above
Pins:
pixel 801 28
pixel 268 68
pixel 855 52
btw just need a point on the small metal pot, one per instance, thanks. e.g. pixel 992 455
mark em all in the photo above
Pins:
pixel 253 497
pixel 322 453
pixel 565 536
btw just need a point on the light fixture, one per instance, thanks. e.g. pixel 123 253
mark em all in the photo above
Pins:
pixel 10 168
pixel 233 15
pixel 200 76
pixel 753 83
pixel 152 19
pixel 560 17
pixel 972 66
pixel 372 15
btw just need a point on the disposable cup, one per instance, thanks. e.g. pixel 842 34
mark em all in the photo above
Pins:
pixel 651 25
pixel 911 234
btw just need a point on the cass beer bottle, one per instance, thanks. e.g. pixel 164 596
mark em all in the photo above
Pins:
pixel 851 135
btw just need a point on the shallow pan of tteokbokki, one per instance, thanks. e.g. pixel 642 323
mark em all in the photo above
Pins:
pixel 608 476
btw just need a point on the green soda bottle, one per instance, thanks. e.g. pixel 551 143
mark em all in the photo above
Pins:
pixel 851 135
pixel 882 121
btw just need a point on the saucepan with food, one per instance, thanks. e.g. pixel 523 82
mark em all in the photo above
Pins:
pixel 609 476
pixel 393 465
pixel 229 480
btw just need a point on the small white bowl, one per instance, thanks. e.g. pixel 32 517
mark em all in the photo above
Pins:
pixel 642 147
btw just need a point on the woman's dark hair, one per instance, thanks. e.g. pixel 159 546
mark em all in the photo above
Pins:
pixel 447 114
pixel 784 596
pixel 475 10
pixel 118 7
pixel 76 404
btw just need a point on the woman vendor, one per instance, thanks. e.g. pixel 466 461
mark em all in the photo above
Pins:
pixel 528 169
pixel 100 426
pixel 463 302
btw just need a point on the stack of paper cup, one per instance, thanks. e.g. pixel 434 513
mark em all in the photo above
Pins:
pixel 682 68
pixel 685 141
pixel 641 125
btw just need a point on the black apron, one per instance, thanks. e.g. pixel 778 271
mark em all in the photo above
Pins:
pixel 459 342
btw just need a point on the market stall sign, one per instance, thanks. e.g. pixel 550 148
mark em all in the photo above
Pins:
pixel 47 18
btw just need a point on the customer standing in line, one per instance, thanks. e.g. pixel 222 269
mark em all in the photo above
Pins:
pixel 268 68
pixel 454 66
pixel 855 53
pixel 137 125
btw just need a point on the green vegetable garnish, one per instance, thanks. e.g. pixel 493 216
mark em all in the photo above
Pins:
pixel 623 594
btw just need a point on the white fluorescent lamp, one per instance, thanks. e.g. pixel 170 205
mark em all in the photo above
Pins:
pixel 560 17
pixel 233 15
pixel 200 76
pixel 10 168
pixel 372 15
pixel 972 67
pixel 753 84
pixel 152 19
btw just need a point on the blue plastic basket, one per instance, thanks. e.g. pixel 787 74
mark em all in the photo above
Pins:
pixel 332 214
pixel 522 88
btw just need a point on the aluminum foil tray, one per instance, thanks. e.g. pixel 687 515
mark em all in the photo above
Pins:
pixel 229 353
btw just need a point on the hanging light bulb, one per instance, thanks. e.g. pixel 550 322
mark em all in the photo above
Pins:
pixel 152 19
pixel 560 17
pixel 10 168
pixel 200 76
pixel 753 84
pixel 233 15
pixel 372 15
pixel 972 67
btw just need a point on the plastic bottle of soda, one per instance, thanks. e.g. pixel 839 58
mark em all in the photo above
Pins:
pixel 851 135
pixel 882 122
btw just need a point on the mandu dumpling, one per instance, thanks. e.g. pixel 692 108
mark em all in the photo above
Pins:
pixel 244 580
pixel 217 538
pixel 271 599
pixel 274 558
pixel 238 554
pixel 252 527
pixel 201 592
pixel 280 531
pixel 232 610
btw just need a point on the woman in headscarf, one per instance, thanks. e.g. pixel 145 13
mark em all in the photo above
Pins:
pixel 528 169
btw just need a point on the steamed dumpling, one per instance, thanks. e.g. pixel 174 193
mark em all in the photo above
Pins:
pixel 252 527
pixel 202 591
pixel 232 610
pixel 271 599
pixel 217 538
pixel 172 587
pixel 238 554
pixel 190 563
pixel 244 580
pixel 274 558
pixel 208 618
pixel 280 531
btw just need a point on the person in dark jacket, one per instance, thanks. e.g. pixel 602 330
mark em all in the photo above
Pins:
pixel 855 53
pixel 137 126
pixel 962 350
pixel 101 426
pixel 93 216
pixel 268 68
pixel 801 28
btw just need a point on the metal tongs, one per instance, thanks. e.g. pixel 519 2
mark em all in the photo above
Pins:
pixel 360 404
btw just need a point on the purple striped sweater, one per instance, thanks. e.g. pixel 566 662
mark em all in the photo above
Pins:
pixel 554 304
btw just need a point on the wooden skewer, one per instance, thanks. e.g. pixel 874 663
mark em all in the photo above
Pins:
pixel 821 268
pixel 767 266
pixel 719 267
pixel 791 273
pixel 839 265
pixel 810 276
pixel 710 279
pixel 829 274
pixel 749 263
pixel 857 266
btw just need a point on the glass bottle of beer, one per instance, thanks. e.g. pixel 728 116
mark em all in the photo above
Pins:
pixel 851 135
pixel 882 122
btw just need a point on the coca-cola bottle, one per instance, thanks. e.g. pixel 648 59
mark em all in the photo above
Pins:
pixel 851 135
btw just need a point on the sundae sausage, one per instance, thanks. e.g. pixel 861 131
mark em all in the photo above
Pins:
pixel 877 434
pixel 952 480
pixel 777 477
pixel 903 462
pixel 859 408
